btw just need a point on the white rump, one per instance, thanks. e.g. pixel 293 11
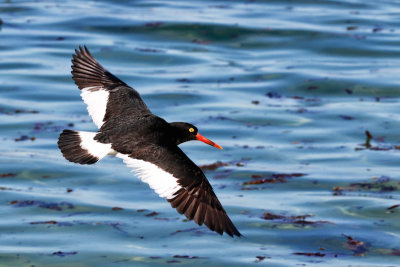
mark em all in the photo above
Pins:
pixel 95 148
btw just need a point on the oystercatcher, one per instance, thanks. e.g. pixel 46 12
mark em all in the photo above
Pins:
pixel 145 142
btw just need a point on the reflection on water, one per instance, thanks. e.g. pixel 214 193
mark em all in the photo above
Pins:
pixel 287 88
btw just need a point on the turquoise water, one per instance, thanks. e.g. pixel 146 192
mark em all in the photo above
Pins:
pixel 288 88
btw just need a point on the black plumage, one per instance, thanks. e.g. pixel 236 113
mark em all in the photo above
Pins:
pixel 131 129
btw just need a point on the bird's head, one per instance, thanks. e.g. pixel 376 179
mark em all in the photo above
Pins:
pixel 184 132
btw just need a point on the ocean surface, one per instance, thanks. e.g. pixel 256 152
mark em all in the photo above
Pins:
pixel 304 97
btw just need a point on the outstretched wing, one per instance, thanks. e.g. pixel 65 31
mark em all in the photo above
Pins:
pixel 105 95
pixel 172 175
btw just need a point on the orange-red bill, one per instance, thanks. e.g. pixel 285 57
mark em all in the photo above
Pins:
pixel 207 141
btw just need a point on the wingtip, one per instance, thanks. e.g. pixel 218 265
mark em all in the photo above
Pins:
pixel 239 236
pixel 87 72
pixel 236 233
pixel 87 50
pixel 81 51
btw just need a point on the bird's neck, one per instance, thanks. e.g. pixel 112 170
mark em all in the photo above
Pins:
pixel 177 134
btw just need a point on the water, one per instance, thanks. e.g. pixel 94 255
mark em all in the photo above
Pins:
pixel 288 88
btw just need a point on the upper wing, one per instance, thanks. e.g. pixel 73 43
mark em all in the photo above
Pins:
pixel 175 177
pixel 106 95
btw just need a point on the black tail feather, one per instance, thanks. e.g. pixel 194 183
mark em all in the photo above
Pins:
pixel 69 143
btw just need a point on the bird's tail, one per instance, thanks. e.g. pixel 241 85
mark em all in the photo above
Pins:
pixel 80 147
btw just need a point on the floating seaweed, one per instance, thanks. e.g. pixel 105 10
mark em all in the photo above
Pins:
pixel 273 94
pixel 393 207
pixel 261 258
pixel 17 111
pixel 44 222
pixel 380 185
pixel 349 91
pixel 273 178
pixel 299 220
pixel 346 117
pixel 141 210
pixel 213 166
pixel 351 28
pixel 184 80
pixel 63 254
pixel 10 174
pixel 185 257
pixel 359 248
pixel 310 254
pixel 49 126
pixel 151 214
pixel 219 164
pixel 46 205
pixel 367 144
pixel 24 138
pixel 196 231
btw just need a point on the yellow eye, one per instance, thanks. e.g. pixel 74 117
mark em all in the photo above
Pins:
pixel 191 130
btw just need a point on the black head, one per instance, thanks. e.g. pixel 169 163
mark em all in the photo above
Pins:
pixel 184 132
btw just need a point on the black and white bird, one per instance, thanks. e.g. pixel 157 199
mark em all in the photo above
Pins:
pixel 145 142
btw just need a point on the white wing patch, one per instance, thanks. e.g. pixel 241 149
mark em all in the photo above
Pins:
pixel 95 148
pixel 162 182
pixel 96 99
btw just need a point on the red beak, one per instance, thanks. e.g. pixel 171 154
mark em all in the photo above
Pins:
pixel 207 141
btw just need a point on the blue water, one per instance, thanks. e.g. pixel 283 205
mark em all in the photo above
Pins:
pixel 288 88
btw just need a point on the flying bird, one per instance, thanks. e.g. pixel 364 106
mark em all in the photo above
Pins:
pixel 145 142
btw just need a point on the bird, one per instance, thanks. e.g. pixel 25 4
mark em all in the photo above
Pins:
pixel 146 143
